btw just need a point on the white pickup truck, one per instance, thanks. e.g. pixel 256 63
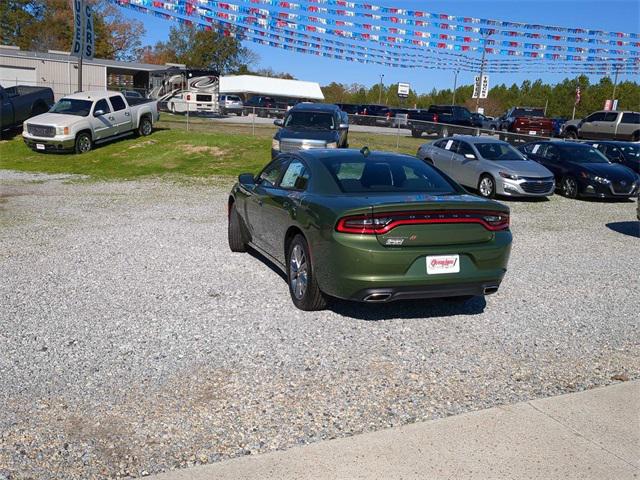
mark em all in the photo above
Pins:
pixel 77 122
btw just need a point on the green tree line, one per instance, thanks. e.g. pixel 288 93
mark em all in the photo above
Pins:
pixel 558 99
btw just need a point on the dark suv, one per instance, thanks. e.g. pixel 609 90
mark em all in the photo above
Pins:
pixel 311 125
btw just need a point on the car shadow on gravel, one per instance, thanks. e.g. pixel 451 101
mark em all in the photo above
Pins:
pixel 408 309
pixel 631 228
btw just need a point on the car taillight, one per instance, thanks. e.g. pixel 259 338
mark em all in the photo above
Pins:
pixel 435 118
pixel 382 223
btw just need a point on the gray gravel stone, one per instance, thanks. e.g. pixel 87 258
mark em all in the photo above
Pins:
pixel 133 342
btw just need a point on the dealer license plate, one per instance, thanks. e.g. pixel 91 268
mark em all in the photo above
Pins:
pixel 532 132
pixel 39 146
pixel 437 264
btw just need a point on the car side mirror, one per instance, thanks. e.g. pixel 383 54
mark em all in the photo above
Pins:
pixel 279 122
pixel 98 113
pixel 343 126
pixel 470 156
pixel 246 180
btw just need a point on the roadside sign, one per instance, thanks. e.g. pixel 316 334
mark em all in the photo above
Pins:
pixel 403 90
pixel 615 104
pixel 481 87
pixel 88 34
pixel 78 24
pixel 83 35
pixel 607 104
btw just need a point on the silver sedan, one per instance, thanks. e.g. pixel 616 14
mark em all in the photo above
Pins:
pixel 490 166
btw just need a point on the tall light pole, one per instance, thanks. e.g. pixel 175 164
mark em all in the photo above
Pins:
pixel 615 83
pixel 455 86
pixel 380 91
pixel 485 34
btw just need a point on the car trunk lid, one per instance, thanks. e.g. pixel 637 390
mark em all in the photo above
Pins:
pixel 423 220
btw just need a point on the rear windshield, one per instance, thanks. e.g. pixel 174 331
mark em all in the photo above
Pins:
pixel 498 152
pixel 69 106
pixel 580 154
pixel 309 120
pixel 394 175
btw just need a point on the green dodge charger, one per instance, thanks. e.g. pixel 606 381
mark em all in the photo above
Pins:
pixel 370 227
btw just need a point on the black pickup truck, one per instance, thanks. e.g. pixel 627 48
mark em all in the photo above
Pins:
pixel 440 119
pixel 22 102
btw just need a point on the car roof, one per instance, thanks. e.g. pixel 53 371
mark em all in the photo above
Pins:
pixel 475 139
pixel 91 94
pixel 316 107
pixel 349 154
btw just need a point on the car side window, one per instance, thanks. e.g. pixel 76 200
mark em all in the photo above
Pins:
pixel 272 172
pixel 117 103
pixel 610 117
pixel 631 118
pixel 465 149
pixel 102 105
pixel 295 177
pixel 595 117
pixel 453 145
pixel 551 153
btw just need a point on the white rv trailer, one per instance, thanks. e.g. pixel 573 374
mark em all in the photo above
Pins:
pixel 195 95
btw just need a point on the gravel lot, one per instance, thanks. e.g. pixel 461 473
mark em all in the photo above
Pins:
pixel 133 342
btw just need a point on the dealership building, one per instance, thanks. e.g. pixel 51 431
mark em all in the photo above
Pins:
pixel 59 71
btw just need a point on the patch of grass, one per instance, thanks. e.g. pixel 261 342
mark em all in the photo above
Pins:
pixel 207 150
pixel 178 152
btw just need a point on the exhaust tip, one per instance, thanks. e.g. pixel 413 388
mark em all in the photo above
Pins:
pixel 490 290
pixel 377 297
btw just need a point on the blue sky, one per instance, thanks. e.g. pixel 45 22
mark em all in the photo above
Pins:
pixel 614 15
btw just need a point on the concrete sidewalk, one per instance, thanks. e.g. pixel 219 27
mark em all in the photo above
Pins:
pixel 587 435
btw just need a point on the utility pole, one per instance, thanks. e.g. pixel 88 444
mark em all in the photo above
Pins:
pixel 485 34
pixel 380 91
pixel 615 83
pixel 455 86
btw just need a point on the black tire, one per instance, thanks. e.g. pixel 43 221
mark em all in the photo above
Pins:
pixel 234 231
pixel 636 136
pixel 428 160
pixel 571 134
pixel 145 127
pixel 569 187
pixel 304 290
pixel 487 186
pixel 415 133
pixel 83 143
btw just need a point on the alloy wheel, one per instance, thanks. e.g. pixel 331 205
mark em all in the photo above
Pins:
pixel 298 272
pixel 146 127
pixel 84 144
pixel 569 187
pixel 486 187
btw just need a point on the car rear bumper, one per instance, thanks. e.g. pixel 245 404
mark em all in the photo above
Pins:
pixel 385 295
pixel 356 266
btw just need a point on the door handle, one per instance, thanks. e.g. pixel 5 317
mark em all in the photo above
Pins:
pixel 127 114
pixel 111 118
